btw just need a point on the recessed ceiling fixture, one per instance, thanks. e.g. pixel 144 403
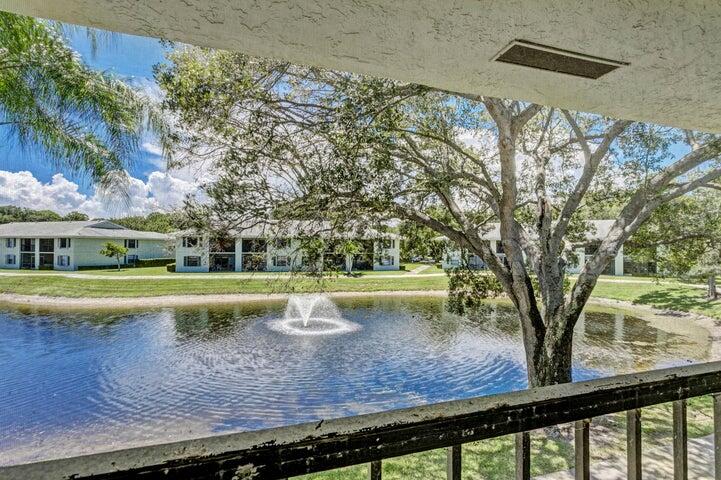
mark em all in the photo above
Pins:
pixel 534 55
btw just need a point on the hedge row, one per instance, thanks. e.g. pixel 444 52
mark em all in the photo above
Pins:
pixel 154 262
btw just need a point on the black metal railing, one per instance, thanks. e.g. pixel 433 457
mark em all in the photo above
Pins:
pixel 313 447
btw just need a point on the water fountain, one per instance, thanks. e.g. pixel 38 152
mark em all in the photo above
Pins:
pixel 312 315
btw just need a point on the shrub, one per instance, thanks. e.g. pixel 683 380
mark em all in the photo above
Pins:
pixel 154 262
pixel 467 289
pixel 170 267
pixel 100 267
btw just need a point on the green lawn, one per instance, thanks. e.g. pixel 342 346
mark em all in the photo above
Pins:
pixel 432 268
pixel 142 271
pixel 672 296
pixel 669 294
pixel 58 286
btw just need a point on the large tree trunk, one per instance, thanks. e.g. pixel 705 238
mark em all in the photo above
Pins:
pixel 554 366
pixel 712 294
pixel 547 340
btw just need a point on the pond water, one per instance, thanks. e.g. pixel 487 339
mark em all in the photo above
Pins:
pixel 73 383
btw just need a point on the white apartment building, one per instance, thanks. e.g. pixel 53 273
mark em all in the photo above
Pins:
pixel 453 256
pixel 262 250
pixel 70 245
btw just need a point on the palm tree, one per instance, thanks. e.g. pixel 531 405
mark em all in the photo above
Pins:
pixel 82 119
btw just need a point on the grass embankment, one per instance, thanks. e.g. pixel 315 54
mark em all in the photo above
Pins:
pixel 58 286
pixel 668 294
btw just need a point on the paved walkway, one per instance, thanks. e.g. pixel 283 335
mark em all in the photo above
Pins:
pixel 190 276
pixel 419 269
pixel 266 276
pixel 657 463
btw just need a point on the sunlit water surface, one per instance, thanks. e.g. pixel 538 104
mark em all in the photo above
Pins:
pixel 73 383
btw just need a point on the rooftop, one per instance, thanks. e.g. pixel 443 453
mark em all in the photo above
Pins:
pixel 300 228
pixel 598 231
pixel 83 229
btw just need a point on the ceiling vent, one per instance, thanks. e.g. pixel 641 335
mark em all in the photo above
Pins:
pixel 534 55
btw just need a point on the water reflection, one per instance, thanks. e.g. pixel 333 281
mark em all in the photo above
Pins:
pixel 73 383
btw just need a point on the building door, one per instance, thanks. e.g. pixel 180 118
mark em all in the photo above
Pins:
pixel 27 260
pixel 222 263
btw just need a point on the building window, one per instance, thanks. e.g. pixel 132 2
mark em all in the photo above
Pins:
pixel 191 261
pixel 387 244
pixel 131 243
pixel 132 259
pixel 222 245
pixel 254 245
pixel 63 261
pixel 11 242
pixel 47 245
pixel 281 243
pixel 10 260
pixel 190 242
pixel 499 248
pixel 27 245
pixel 63 243
pixel 387 260
pixel 280 261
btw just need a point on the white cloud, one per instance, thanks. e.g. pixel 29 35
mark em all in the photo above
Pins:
pixel 152 148
pixel 146 86
pixel 155 155
pixel 162 191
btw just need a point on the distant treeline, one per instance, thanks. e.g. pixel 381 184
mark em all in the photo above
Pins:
pixel 153 222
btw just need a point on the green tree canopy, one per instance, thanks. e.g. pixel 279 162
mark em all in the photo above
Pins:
pixel 76 217
pixel 420 240
pixel 290 142
pixel 10 213
pixel 153 222
pixel 683 237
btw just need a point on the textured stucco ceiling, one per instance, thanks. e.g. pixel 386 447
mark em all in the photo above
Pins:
pixel 673 47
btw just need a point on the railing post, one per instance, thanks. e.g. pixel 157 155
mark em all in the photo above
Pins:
pixel 375 470
pixel 717 434
pixel 680 454
pixel 583 471
pixel 633 443
pixel 453 462
pixel 523 456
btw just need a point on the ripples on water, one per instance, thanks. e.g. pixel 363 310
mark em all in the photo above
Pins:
pixel 76 383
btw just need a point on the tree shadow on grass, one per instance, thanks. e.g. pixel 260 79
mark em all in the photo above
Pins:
pixel 678 298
